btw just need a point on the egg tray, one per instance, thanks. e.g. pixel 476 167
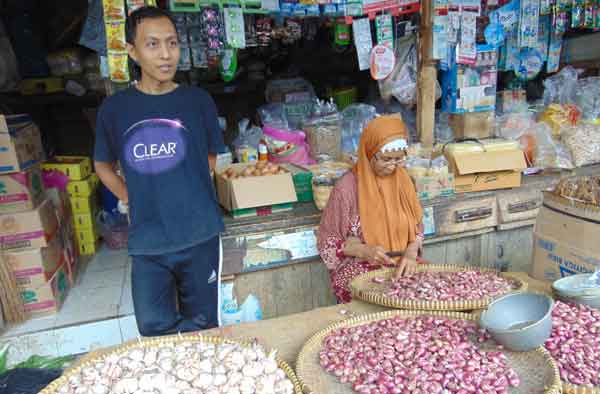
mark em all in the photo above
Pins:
pixel 363 288
pixel 536 369
pixel 99 356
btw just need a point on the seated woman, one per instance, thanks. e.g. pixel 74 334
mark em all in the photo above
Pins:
pixel 372 210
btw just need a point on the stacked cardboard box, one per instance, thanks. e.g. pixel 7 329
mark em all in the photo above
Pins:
pixel 83 196
pixel 30 227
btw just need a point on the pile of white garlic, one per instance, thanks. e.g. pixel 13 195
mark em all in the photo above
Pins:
pixel 183 368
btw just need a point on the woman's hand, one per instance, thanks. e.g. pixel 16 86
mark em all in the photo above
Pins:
pixel 408 263
pixel 375 255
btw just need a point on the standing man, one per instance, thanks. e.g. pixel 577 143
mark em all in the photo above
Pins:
pixel 166 138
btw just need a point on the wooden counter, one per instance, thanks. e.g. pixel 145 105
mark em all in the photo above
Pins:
pixel 287 285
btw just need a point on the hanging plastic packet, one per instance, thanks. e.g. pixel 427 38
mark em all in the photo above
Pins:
pixel 560 20
pixel 115 36
pixel 234 27
pixel 342 33
pixel 554 51
pixel 263 31
pixel 544 36
pixel 545 7
pixel 494 33
pixel 588 20
pixel 362 41
pixel 114 10
pixel 185 59
pixel 467 49
pixel 118 67
pixel 383 61
pixel 440 29
pixel 530 64
pixel 453 21
pixel 384 30
pixel 229 64
pixel 597 15
pixel 528 26
pixel 133 5
pixel 577 14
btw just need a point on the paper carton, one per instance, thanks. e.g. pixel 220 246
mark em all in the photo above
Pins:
pixel 472 124
pixel 29 230
pixel 488 170
pixel 20 144
pixel 21 191
pixel 46 298
pixel 430 187
pixel 83 205
pixel 70 252
pixel 75 167
pixel 565 239
pixel 255 192
pixel 61 203
pixel 33 268
pixel 85 187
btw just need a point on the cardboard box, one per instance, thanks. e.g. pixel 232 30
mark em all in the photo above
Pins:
pixel 21 191
pixel 61 203
pixel 86 205
pixel 85 187
pixel 261 211
pixel 429 187
pixel 84 221
pixel 87 236
pixel 33 268
pixel 76 168
pixel 29 230
pixel 477 125
pixel 46 298
pixel 566 238
pixel 70 252
pixel 88 249
pixel 20 144
pixel 479 171
pixel 253 192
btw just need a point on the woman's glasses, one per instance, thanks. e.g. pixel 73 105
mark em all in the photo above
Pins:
pixel 391 161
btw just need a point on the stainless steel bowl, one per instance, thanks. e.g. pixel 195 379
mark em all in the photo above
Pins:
pixel 519 321
pixel 570 289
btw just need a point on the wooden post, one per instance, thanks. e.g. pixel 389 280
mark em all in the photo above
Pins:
pixel 427 75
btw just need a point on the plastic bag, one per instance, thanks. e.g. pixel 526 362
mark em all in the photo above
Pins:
pixel 354 119
pixel 247 141
pixel 287 146
pixel 512 125
pixel 583 141
pixel 547 153
pixel 587 99
pixel 324 132
pixel 561 88
pixel 443 132
pixel 402 82
pixel 560 115
pixel 289 90
pixel 114 228
pixel 273 115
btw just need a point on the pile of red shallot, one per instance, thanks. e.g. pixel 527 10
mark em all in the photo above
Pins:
pixel 450 286
pixel 575 343
pixel 421 355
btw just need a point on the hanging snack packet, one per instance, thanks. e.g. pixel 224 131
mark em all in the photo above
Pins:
pixel 115 36
pixel 114 10
pixel 118 67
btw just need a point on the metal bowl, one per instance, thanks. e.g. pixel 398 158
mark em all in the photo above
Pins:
pixel 574 286
pixel 591 301
pixel 519 321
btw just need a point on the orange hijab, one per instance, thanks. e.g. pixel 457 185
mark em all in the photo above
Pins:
pixel 389 208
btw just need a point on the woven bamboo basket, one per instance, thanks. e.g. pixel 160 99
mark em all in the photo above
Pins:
pixel 99 356
pixel 537 370
pixel 365 289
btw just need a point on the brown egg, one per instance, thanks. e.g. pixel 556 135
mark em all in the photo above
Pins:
pixel 225 175
pixel 256 173
pixel 282 171
pixel 247 171
pixel 262 164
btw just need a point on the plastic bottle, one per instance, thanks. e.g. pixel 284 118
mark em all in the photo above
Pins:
pixel 263 153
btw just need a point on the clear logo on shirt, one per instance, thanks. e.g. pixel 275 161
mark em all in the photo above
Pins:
pixel 155 145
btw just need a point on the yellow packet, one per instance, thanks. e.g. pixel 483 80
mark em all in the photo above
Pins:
pixel 114 10
pixel 115 36
pixel 151 3
pixel 118 67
